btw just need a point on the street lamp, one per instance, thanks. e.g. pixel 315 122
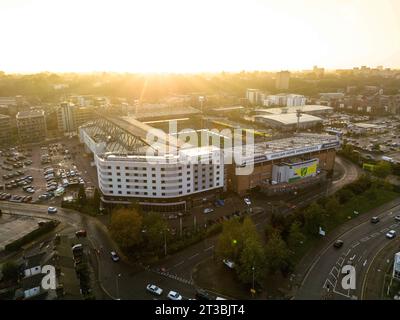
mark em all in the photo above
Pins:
pixel 117 284
pixel 252 268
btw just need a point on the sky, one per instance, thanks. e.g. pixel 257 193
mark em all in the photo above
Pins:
pixel 197 36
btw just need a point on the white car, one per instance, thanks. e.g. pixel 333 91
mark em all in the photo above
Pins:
pixel 154 289
pixel 114 256
pixel 51 210
pixel 391 234
pixel 247 201
pixel 173 295
pixel 229 263
pixel 397 218
pixel 208 210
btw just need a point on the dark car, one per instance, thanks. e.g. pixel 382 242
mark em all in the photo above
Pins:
pixel 202 295
pixel 81 233
pixel 338 244
pixel 375 219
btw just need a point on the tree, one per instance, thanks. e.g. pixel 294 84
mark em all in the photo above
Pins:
pixel 332 206
pixel 154 227
pixel 276 253
pixel 344 195
pixel 229 240
pixel 81 195
pixel 126 227
pixel 314 218
pixel 296 237
pixel 382 169
pixel 10 271
pixel 252 261
pixel 96 200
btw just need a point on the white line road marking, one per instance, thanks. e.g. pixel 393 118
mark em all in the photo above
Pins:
pixel 331 285
pixel 353 257
pixel 334 272
pixel 340 262
pixel 178 264
pixel 365 239
pixel 394 225
pixel 193 256
pixel 354 245
pixel 340 293
pixel 209 248
pixel 348 252
pixel 384 230
pixel 375 234
pixel 365 263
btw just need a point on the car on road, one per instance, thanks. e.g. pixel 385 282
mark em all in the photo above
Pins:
pixel 173 295
pixel 208 210
pixel 338 244
pixel 247 201
pixel 397 218
pixel 114 256
pixel 51 210
pixel 154 289
pixel 229 263
pixel 391 234
pixel 375 219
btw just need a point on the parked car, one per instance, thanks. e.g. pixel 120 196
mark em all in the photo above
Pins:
pixel 229 263
pixel 114 256
pixel 397 218
pixel 154 289
pixel 247 201
pixel 338 244
pixel 208 210
pixel 51 210
pixel 173 295
pixel 391 234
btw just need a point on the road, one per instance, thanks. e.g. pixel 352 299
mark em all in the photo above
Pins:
pixel 361 244
pixel 125 281
pixel 132 281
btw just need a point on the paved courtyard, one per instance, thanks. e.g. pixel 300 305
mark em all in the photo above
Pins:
pixel 14 227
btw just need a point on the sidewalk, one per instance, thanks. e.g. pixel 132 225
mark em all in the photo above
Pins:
pixel 307 261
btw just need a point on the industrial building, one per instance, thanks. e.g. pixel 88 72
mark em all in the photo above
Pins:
pixel 307 109
pixel 288 121
pixel 31 126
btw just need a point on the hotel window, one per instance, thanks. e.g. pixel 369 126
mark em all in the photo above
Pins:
pixel 119 192
pixel 118 167
pixel 154 193
pixel 119 186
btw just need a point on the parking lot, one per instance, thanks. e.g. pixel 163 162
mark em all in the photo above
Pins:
pixel 43 173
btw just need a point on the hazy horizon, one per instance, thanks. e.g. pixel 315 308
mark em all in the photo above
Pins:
pixel 197 36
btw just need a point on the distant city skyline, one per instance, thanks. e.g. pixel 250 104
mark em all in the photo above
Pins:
pixel 180 36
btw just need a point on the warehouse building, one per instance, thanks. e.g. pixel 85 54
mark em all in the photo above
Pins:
pixel 288 121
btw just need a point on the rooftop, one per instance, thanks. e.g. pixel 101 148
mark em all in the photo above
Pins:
pixel 289 118
pixel 305 109
pixel 30 113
